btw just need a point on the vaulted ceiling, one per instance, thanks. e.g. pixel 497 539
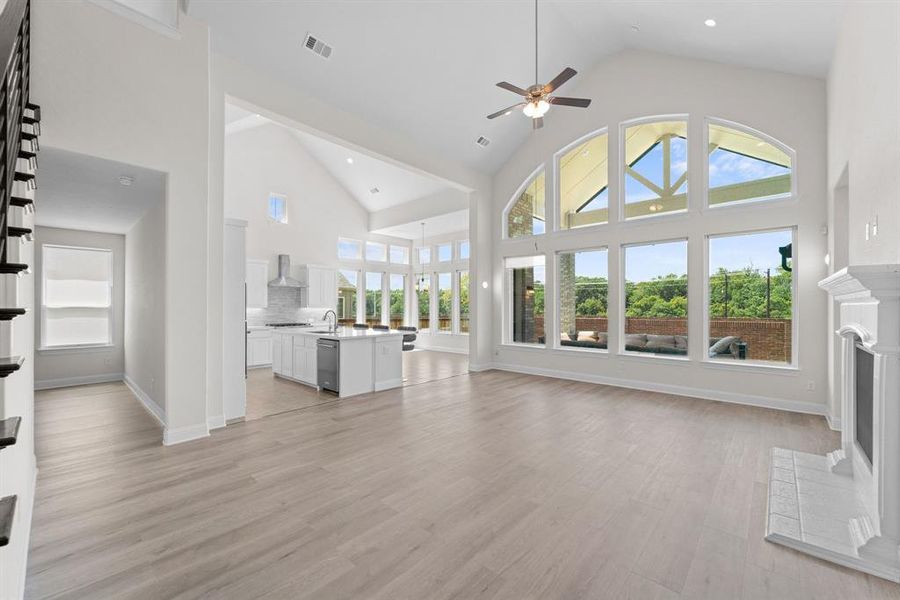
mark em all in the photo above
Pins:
pixel 428 69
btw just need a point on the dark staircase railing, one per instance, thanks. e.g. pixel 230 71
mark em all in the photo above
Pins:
pixel 20 127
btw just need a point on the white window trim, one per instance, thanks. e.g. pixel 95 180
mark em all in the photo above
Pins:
pixel 375 260
pixel 790 196
pixel 283 198
pixel 620 327
pixel 557 178
pixel 752 364
pixel 691 203
pixel 362 250
pixel 504 221
pixel 507 313
pixel 557 333
pixel 76 348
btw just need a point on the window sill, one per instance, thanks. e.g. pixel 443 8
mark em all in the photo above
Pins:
pixel 653 357
pixel 77 349
pixel 515 346
pixel 743 365
pixel 586 351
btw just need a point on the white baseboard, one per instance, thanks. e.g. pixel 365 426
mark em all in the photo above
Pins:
pixel 149 403
pixel 49 384
pixel 389 384
pixel 478 368
pixel 215 422
pixel 442 349
pixel 179 435
pixel 833 422
pixel 677 390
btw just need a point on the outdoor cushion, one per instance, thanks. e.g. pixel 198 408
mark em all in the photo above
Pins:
pixel 723 346
pixel 635 341
pixel 657 342
pixel 587 336
pixel 681 342
pixel 602 338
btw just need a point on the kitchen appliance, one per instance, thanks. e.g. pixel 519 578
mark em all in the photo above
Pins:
pixel 328 355
pixel 284 278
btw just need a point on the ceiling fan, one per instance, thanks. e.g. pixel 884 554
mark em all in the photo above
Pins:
pixel 536 100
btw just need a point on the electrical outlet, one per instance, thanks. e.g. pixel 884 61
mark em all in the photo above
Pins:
pixel 810 386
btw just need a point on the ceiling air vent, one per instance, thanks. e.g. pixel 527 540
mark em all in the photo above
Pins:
pixel 316 45
pixel 482 141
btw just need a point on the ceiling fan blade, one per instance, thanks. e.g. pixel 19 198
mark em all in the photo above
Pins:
pixel 505 111
pixel 563 101
pixel 510 87
pixel 567 74
pixel 537 123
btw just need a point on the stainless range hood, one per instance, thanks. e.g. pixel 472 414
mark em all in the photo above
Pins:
pixel 284 274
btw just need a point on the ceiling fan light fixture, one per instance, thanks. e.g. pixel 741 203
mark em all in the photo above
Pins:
pixel 536 109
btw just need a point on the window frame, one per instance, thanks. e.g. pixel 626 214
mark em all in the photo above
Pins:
pixel 359 243
pixel 504 221
pixel 794 365
pixel 623 309
pixel 283 198
pixel 428 276
pixel 405 250
pixel 418 257
pixel 457 300
pixel 374 243
pixel 690 202
pixel 557 333
pixel 556 195
pixel 791 196
pixel 459 245
pixel 359 276
pixel 437 302
pixel 507 325
pixel 383 309
pixel 111 309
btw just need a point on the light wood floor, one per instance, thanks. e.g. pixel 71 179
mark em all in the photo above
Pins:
pixel 490 485
pixel 268 395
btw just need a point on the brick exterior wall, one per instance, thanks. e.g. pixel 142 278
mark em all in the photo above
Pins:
pixel 520 217
pixel 767 339
pixel 567 320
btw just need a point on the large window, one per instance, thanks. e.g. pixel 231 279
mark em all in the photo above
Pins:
pixel 376 251
pixel 526 216
pixel 583 184
pixel 751 296
pixel 374 295
pixel 445 302
pixel 399 255
pixel 583 289
pixel 463 301
pixel 656 297
pixel 525 279
pixel 397 299
pixel 349 249
pixel 655 168
pixel 76 307
pixel 743 167
pixel 347 296
pixel 423 301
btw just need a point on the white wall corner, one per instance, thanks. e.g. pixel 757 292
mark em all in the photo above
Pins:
pixel 148 403
pixel 179 435
pixel 216 422
pixel 834 422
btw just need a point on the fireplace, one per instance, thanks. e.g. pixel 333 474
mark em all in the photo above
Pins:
pixel 845 506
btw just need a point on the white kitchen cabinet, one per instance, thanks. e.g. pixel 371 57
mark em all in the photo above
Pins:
pixel 276 353
pixel 321 287
pixel 257 283
pixel 259 348
pixel 304 360
pixel 388 363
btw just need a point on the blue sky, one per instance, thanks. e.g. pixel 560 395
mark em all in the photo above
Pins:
pixel 643 263
pixel 759 250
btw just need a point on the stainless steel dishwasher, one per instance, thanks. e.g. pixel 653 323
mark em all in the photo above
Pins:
pixel 328 360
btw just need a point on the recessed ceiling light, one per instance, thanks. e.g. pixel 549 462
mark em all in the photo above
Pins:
pixel 126 180
pixel 374 190
pixel 635 28
pixel 349 160
pixel 710 22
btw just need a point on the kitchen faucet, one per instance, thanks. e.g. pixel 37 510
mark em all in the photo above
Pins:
pixel 332 324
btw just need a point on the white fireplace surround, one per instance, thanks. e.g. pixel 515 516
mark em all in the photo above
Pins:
pixel 840 507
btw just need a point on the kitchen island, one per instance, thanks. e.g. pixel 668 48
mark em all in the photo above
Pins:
pixel 369 359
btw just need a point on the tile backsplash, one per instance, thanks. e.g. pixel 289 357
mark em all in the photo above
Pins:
pixel 284 306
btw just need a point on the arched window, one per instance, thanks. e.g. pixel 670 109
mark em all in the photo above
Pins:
pixel 745 165
pixel 526 213
pixel 655 169
pixel 584 182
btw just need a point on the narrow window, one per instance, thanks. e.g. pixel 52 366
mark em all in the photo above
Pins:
pixel 347 296
pixel 423 301
pixel 374 296
pixel 463 301
pixel 525 278
pixel 445 252
pixel 397 299
pixel 583 289
pixel 445 302
pixel 526 215
pixel 464 250
pixel 278 208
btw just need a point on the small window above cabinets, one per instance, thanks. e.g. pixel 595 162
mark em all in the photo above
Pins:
pixel 257 278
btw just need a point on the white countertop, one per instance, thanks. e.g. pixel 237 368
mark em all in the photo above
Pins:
pixel 344 333
pixel 260 327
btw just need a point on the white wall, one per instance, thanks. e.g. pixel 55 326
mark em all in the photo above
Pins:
pixel 864 126
pixel 145 309
pixel 114 89
pixel 57 368
pixel 269 159
pixel 637 84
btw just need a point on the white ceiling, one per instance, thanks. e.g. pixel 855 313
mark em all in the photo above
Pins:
pixel 428 69
pixel 434 226
pixel 83 192
pixel 395 185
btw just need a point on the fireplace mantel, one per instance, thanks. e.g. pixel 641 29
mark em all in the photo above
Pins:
pixel 841 507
